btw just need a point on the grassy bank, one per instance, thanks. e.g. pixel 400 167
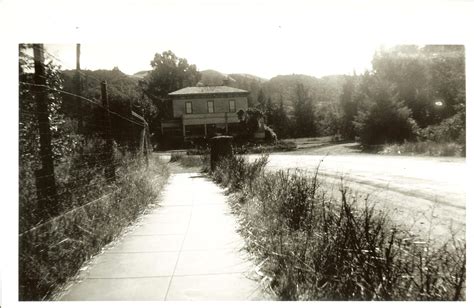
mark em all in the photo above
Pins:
pixel 314 247
pixel 52 252
pixel 426 148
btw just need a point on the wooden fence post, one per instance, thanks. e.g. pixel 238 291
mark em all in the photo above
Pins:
pixel 109 151
pixel 45 178
pixel 145 141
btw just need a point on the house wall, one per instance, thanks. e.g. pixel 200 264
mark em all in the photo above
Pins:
pixel 210 118
pixel 221 105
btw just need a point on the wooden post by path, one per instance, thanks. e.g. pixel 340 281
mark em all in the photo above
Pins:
pixel 221 148
pixel 45 178
pixel 109 151
pixel 145 143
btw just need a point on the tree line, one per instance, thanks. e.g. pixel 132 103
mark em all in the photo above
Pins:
pixel 411 93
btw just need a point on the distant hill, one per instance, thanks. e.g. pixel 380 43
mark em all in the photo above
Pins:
pixel 248 82
pixel 122 88
pixel 324 90
pixel 248 76
pixel 140 74
pixel 213 77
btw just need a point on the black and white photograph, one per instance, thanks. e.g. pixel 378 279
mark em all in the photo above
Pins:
pixel 237 151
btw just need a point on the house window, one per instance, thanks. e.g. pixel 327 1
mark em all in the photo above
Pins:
pixel 210 106
pixel 189 107
pixel 232 105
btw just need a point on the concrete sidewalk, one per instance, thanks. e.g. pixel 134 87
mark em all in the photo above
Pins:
pixel 185 249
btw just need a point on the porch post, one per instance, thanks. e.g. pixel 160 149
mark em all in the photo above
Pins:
pixel 226 126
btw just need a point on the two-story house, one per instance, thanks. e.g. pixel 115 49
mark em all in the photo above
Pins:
pixel 205 111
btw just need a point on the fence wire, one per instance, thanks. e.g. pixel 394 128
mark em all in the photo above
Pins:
pixel 80 157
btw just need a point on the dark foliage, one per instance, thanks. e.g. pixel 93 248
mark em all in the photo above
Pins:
pixel 426 84
pixel 383 118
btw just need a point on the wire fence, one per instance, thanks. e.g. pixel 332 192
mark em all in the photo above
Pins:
pixel 83 159
pixel 90 143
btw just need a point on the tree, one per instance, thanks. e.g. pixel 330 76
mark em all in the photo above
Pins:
pixel 328 119
pixel 447 79
pixel 281 122
pixel 64 140
pixel 383 118
pixel 169 74
pixel 303 112
pixel 261 101
pixel 349 107
pixel 28 126
pixel 423 76
pixel 124 95
pixel 269 112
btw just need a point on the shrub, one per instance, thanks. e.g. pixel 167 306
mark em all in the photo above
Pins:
pixel 176 157
pixel 270 135
pixel 236 172
pixel 452 129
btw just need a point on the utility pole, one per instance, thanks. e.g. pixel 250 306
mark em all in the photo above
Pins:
pixel 78 56
pixel 109 151
pixel 45 178
pixel 145 135
pixel 78 88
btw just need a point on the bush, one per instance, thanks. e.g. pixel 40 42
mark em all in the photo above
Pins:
pixel 452 129
pixel 270 135
pixel 236 172
pixel 315 247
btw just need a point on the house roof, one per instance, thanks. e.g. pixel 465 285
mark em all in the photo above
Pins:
pixel 207 90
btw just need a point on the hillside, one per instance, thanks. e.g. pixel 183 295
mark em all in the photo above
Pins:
pixel 248 82
pixel 324 90
pixel 213 78
pixel 140 74
pixel 122 89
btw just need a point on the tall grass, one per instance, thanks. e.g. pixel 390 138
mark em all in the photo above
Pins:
pixel 315 247
pixel 427 148
pixel 189 161
pixel 54 251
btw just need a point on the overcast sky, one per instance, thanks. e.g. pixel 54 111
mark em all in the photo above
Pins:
pixel 265 38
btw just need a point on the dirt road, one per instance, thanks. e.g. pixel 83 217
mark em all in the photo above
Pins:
pixel 416 190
